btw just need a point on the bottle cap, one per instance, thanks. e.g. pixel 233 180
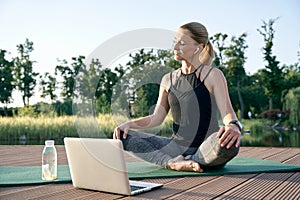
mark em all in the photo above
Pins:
pixel 49 142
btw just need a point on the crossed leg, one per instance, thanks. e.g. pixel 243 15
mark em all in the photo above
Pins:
pixel 165 152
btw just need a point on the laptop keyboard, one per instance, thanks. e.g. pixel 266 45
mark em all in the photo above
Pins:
pixel 134 188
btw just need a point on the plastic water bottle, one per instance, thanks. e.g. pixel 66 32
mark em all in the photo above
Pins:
pixel 49 161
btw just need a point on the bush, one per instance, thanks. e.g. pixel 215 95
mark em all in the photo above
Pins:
pixel 272 114
pixel 27 111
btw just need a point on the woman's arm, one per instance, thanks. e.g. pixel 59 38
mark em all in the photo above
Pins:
pixel 150 121
pixel 220 91
pixel 230 133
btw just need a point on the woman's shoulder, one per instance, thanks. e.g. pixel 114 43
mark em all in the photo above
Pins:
pixel 211 72
pixel 169 77
pixel 212 77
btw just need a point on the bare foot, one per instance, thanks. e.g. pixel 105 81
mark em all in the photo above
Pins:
pixel 180 164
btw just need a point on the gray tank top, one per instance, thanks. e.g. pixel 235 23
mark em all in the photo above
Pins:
pixel 193 109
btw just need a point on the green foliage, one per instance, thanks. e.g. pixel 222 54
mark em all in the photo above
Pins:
pixel 120 103
pixel 254 125
pixel 63 108
pixel 219 40
pixel 87 81
pixel 291 75
pixel 145 70
pixel 27 111
pixel 141 103
pixel 254 98
pixel 292 105
pixel 235 60
pixel 103 105
pixel 272 75
pixel 96 85
pixel 234 71
pixel 231 59
pixel 108 79
pixel 6 78
pixel 45 109
pixel 69 74
pixel 43 127
pixel 48 86
pixel 25 77
pixel 40 128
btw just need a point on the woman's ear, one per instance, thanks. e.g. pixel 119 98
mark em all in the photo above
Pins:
pixel 198 48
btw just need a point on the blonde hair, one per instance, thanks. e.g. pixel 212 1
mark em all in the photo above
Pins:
pixel 200 35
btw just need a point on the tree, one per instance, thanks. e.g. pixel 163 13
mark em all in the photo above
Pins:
pixel 219 40
pixel 145 70
pixel 234 71
pixel 165 58
pixel 141 103
pixel 272 73
pixel 103 105
pixel 292 74
pixel 292 105
pixel 94 85
pixel 48 86
pixel 69 74
pixel 291 94
pixel 257 92
pixel 87 81
pixel 6 79
pixel 25 77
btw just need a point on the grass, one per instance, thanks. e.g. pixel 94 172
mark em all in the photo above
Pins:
pixel 255 125
pixel 38 129
pixel 42 128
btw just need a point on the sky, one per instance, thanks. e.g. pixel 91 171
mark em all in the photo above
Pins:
pixel 62 29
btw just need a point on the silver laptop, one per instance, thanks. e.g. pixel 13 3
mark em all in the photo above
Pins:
pixel 99 164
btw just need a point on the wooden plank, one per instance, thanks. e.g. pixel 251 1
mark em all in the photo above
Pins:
pixel 258 187
pixel 262 152
pixel 173 187
pixel 22 155
pixel 290 189
pixel 213 188
pixel 289 155
pixel 36 191
pixel 295 160
pixel 75 193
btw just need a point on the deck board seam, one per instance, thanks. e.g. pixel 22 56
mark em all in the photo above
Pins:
pixel 192 188
pixel 243 184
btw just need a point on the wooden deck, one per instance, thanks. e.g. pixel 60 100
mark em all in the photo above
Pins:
pixel 247 186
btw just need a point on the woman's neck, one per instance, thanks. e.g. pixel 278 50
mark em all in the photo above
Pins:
pixel 188 68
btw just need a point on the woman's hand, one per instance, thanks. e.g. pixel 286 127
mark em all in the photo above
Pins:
pixel 117 131
pixel 228 135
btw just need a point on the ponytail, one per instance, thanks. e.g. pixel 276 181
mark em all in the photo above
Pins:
pixel 207 55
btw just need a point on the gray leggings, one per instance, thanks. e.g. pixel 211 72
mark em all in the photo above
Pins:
pixel 159 150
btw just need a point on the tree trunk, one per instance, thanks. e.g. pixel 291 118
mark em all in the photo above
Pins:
pixel 24 102
pixel 240 100
pixel 5 110
pixel 270 103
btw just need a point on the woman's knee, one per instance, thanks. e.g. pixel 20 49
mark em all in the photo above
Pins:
pixel 212 144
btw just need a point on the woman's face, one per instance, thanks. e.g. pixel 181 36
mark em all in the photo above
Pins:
pixel 185 47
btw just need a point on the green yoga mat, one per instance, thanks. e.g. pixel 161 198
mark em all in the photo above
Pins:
pixel 31 175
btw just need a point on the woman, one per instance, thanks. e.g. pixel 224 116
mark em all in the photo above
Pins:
pixel 193 93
